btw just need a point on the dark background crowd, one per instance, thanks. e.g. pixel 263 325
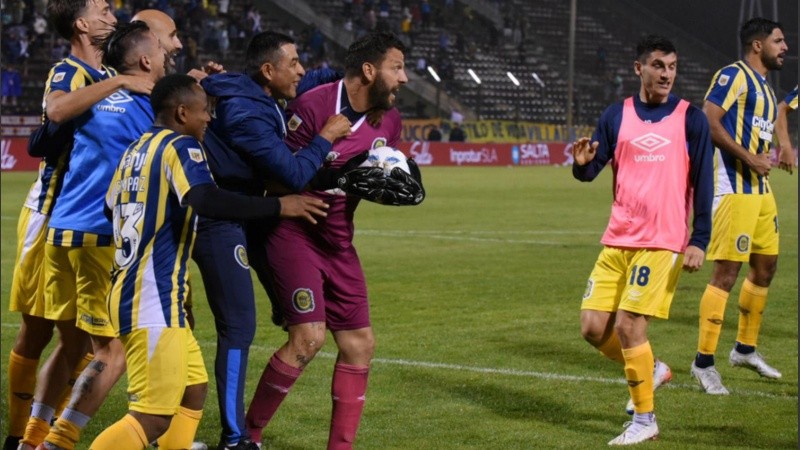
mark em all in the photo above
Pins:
pixel 492 37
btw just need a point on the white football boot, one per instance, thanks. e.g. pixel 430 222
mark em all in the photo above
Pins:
pixel 636 433
pixel 709 379
pixel 753 361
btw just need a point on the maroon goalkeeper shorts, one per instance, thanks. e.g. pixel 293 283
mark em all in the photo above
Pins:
pixel 314 282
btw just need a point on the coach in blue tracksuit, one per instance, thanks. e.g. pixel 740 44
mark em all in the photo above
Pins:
pixel 245 149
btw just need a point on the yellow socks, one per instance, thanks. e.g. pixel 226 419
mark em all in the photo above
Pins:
pixel 125 434
pixel 64 434
pixel 639 373
pixel 712 313
pixel 752 300
pixel 181 431
pixel 21 384
pixel 35 431
pixel 612 349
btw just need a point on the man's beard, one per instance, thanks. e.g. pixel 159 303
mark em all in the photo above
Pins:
pixel 379 95
pixel 771 63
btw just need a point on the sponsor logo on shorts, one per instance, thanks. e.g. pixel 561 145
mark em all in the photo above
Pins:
pixel 743 243
pixel 589 288
pixel 303 300
pixel 240 255
pixel 634 295
pixel 378 143
pixel 94 321
pixel 133 398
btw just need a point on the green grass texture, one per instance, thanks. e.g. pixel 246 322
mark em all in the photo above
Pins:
pixel 475 298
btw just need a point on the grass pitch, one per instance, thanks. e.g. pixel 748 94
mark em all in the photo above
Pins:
pixel 475 298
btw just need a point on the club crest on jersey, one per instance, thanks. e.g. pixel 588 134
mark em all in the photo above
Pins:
pixel 303 300
pixel 195 154
pixel 723 80
pixel 240 255
pixel 589 288
pixel 743 243
pixel 294 122
pixel 59 76
pixel 378 143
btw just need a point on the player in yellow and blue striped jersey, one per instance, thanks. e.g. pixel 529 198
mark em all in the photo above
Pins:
pixel 741 109
pixel 161 183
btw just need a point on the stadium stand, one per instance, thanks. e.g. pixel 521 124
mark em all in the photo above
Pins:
pixel 492 38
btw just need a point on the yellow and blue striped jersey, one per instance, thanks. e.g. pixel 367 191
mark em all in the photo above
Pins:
pixel 153 229
pixel 751 110
pixel 791 99
pixel 67 75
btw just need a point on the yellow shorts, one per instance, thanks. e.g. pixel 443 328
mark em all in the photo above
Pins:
pixel 27 285
pixel 637 280
pixel 743 224
pixel 77 281
pixel 161 363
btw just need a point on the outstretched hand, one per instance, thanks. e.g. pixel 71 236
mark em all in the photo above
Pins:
pixel 583 151
pixel 302 207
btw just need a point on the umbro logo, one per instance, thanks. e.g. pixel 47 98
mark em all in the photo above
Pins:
pixel 634 383
pixel 119 97
pixel 650 142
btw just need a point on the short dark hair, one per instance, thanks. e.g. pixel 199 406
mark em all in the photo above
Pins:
pixel 171 91
pixel 371 48
pixel 757 28
pixel 651 43
pixel 264 47
pixel 63 14
pixel 117 45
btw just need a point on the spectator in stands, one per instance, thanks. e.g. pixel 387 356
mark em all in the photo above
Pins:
pixel 457 133
pixel 425 11
pixel 39 26
pixel 11 85
pixel 602 55
pixel 422 66
pixel 434 135
pixel 254 20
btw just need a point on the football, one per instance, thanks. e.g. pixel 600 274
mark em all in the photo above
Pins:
pixel 386 158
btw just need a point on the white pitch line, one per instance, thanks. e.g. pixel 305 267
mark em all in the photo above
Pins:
pixel 478 232
pixel 522 373
pixel 500 371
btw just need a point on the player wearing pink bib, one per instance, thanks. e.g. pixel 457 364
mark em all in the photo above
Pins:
pixel 660 151
pixel 317 277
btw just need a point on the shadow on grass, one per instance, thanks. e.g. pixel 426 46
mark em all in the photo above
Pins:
pixel 550 407
pixel 728 436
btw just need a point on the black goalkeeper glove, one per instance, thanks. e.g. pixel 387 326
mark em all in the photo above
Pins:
pixel 328 177
pixel 398 188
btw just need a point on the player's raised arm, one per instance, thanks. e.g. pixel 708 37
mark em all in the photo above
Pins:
pixel 584 151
